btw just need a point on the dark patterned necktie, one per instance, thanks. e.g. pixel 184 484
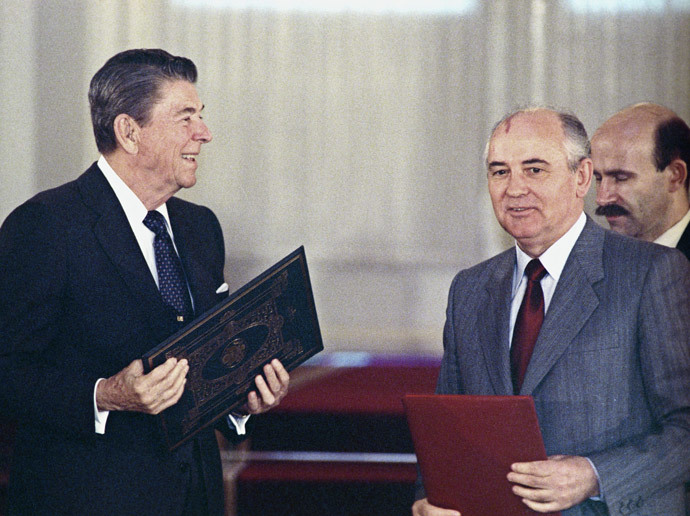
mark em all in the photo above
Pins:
pixel 528 323
pixel 171 279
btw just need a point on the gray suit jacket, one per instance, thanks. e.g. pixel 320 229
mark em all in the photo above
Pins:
pixel 610 373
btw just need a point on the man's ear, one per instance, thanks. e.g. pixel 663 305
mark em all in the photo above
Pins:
pixel 584 176
pixel 127 133
pixel 678 174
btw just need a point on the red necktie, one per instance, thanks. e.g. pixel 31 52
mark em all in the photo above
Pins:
pixel 527 324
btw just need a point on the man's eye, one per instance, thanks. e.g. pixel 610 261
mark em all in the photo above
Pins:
pixel 499 172
pixel 535 170
pixel 621 177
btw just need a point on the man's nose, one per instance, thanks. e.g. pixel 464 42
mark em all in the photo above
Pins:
pixel 517 185
pixel 605 192
pixel 203 133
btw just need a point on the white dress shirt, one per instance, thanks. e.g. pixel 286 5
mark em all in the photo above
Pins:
pixel 553 260
pixel 671 236
pixel 135 211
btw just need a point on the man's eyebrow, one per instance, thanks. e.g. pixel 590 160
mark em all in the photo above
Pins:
pixel 615 172
pixel 535 161
pixel 531 161
pixel 189 110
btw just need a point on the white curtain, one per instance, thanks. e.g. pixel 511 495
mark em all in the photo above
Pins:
pixel 358 135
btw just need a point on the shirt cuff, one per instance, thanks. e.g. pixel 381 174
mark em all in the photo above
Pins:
pixel 238 422
pixel 600 496
pixel 100 416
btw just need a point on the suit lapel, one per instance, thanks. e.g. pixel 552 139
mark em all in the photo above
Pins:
pixel 573 302
pixel 113 232
pixel 494 323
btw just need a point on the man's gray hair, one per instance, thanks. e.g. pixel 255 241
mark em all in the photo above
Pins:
pixel 576 142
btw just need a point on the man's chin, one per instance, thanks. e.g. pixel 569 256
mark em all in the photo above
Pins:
pixel 520 227
pixel 187 182
pixel 620 224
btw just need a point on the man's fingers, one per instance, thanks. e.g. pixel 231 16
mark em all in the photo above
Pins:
pixel 135 368
pixel 169 388
pixel 267 395
pixel 169 397
pixel 542 500
pixel 160 388
pixel 174 381
pixel 424 508
pixel 271 377
pixel 527 480
pixel 132 390
pixel 555 484
pixel 253 403
pixel 539 468
pixel 281 372
pixel 160 372
pixel 277 378
pixel 542 507
pixel 539 500
pixel 271 387
pixel 165 376
pixel 537 495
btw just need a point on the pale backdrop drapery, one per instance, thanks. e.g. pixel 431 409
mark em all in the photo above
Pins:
pixel 356 134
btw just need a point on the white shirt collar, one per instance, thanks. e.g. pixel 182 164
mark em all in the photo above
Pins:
pixel 554 258
pixel 131 204
pixel 671 236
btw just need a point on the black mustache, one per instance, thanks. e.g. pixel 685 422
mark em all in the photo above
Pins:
pixel 611 210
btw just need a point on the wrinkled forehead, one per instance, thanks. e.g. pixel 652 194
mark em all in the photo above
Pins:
pixel 526 132
pixel 530 121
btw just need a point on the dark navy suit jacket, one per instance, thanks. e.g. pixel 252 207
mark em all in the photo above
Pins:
pixel 78 303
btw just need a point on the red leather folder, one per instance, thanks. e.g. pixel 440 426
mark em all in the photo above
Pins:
pixel 465 446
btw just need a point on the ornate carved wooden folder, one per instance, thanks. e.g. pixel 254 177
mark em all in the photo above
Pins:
pixel 273 316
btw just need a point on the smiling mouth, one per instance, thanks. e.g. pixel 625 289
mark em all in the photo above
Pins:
pixel 189 157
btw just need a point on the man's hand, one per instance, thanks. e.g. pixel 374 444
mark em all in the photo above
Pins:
pixel 132 390
pixel 424 508
pixel 271 390
pixel 555 484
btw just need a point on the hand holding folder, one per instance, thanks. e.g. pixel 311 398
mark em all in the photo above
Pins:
pixel 271 317
pixel 465 447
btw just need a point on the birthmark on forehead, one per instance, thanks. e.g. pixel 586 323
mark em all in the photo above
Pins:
pixel 507 124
